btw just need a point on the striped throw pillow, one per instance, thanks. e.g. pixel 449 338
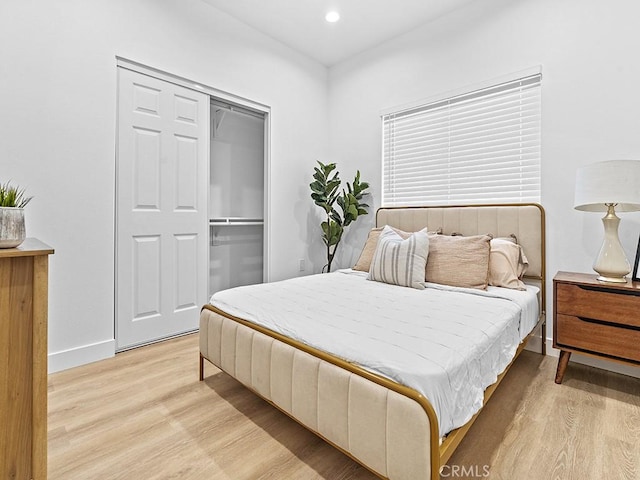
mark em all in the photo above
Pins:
pixel 400 262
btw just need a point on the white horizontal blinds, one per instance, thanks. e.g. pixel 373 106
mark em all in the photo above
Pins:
pixel 480 147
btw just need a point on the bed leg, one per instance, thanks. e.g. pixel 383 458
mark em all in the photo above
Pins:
pixel 201 367
pixel 544 337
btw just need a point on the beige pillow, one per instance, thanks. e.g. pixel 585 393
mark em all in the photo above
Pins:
pixel 459 261
pixel 399 261
pixel 364 262
pixel 505 264
pixel 523 263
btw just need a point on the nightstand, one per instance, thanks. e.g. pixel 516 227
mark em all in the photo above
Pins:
pixel 595 318
pixel 23 360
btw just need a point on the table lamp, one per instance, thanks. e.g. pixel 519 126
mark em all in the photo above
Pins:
pixel 607 187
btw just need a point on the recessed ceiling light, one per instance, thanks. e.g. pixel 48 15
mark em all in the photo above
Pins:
pixel 332 17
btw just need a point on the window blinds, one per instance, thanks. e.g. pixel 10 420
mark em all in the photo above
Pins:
pixel 478 147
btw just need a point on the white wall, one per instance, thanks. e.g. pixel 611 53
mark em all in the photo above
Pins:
pixel 588 52
pixel 58 82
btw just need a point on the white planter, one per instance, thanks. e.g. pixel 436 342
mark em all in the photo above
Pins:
pixel 12 231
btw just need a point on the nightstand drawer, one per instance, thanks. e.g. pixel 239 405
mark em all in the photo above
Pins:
pixel 598 303
pixel 587 335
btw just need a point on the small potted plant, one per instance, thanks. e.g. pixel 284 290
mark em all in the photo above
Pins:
pixel 12 203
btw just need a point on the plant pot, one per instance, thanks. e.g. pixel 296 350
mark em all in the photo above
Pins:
pixel 12 231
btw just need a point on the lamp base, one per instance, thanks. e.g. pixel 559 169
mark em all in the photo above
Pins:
pixel 612 279
pixel 612 263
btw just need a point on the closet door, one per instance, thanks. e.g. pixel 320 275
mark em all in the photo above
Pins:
pixel 161 213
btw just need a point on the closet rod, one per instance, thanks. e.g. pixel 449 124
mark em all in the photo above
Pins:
pixel 231 221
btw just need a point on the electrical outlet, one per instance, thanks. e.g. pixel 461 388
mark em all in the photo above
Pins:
pixel 302 264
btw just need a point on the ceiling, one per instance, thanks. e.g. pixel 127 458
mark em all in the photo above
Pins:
pixel 363 24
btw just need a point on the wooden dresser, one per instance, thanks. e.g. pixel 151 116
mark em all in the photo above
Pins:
pixel 23 361
pixel 595 318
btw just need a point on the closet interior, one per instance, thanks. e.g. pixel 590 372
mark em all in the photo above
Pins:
pixel 236 196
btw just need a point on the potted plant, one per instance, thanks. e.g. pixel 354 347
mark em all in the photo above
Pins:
pixel 325 194
pixel 12 203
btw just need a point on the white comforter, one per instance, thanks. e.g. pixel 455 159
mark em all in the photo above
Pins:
pixel 447 343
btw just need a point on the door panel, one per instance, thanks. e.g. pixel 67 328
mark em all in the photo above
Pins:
pixel 146 272
pixel 146 169
pixel 186 173
pixel 187 263
pixel 186 109
pixel 162 219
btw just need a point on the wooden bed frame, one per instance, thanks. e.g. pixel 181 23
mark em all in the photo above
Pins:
pixel 304 382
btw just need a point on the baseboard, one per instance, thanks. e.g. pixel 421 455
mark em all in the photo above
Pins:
pixel 612 366
pixel 77 356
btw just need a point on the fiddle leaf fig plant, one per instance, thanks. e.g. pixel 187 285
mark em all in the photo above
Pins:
pixel 326 193
pixel 11 196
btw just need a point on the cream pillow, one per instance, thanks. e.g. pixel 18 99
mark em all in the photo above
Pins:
pixel 505 264
pixel 523 263
pixel 364 262
pixel 399 261
pixel 459 261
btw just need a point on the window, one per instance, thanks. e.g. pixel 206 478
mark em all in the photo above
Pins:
pixel 478 147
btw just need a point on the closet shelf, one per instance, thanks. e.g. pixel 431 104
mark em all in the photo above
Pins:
pixel 235 221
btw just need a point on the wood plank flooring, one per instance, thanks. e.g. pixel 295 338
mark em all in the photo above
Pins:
pixel 143 415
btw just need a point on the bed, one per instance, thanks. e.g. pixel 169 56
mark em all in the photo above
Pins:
pixel 400 424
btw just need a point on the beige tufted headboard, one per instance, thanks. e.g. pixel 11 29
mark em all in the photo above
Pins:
pixel 526 221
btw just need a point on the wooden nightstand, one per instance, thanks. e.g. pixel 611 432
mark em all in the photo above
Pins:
pixel 595 318
pixel 23 360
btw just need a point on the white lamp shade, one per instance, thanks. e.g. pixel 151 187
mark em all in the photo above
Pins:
pixel 613 181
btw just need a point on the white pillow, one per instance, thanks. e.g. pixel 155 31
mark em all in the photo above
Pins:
pixel 400 262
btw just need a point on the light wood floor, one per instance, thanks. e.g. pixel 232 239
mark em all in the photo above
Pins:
pixel 143 415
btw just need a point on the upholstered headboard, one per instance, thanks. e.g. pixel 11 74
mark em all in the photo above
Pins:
pixel 525 221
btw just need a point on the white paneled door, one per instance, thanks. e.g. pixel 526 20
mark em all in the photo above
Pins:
pixel 161 223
